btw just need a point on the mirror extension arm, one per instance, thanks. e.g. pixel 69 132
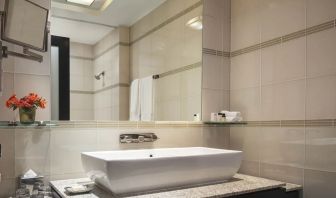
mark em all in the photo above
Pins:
pixel 25 54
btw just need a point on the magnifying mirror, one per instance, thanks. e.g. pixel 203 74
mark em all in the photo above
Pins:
pixel 25 23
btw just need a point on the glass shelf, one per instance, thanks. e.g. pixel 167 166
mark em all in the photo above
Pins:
pixel 37 124
pixel 225 123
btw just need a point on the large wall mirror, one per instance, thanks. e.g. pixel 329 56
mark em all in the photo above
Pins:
pixel 128 59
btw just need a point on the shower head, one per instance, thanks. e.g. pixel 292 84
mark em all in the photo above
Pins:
pixel 98 76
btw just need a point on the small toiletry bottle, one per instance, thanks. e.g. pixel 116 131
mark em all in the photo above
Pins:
pixel 197 117
pixel 219 117
pixel 223 117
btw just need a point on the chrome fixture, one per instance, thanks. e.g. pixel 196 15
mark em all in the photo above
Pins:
pixel 137 138
pixel 98 76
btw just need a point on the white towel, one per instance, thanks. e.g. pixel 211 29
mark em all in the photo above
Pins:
pixel 135 101
pixel 146 99
pixel 233 119
pixel 231 113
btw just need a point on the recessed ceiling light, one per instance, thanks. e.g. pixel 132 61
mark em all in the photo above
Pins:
pixel 82 2
pixel 195 23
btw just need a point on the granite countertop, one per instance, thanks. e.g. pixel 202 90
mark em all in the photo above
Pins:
pixel 239 184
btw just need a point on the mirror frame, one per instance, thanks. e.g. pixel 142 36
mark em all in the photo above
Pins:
pixel 25 45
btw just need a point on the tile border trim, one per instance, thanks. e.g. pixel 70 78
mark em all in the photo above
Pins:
pixel 124 44
pixel 282 39
pixel 166 22
pixel 81 57
pixel 293 123
pixel 100 90
pixel 215 52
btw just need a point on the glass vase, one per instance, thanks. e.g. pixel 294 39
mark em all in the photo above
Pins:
pixel 27 116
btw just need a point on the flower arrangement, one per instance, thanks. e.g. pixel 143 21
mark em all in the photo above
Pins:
pixel 27 106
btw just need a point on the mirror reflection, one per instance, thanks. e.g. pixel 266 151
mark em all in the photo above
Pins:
pixel 129 60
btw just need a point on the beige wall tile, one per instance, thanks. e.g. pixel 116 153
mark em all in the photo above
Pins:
pixel 214 27
pixel 320 53
pixel 283 146
pixel 281 17
pixel 284 62
pixel 66 146
pixel 245 71
pixel 319 184
pixel 284 101
pixel 216 137
pixel 250 168
pixel 247 101
pixel 246 139
pixel 32 151
pixel 8 84
pixel 7 187
pixel 216 72
pixel 245 23
pixel 321 98
pixel 319 144
pixel 7 161
pixel 320 11
pixel 282 173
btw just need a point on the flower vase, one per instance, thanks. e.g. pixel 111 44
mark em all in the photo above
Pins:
pixel 27 116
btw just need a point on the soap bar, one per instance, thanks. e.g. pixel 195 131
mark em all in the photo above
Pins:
pixel 78 189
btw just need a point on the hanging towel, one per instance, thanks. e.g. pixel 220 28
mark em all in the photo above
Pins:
pixel 135 101
pixel 146 98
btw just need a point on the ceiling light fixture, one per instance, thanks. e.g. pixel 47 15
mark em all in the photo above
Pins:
pixel 82 2
pixel 195 23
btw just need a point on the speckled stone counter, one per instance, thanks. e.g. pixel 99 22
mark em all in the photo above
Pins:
pixel 240 184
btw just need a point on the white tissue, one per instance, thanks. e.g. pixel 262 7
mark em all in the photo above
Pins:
pixel 29 174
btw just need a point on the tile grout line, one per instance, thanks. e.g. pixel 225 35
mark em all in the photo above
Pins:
pixel 285 38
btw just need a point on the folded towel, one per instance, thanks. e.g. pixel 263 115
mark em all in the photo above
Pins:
pixel 231 113
pixel 135 101
pixel 234 119
pixel 146 99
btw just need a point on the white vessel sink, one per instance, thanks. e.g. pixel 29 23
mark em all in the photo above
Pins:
pixel 131 171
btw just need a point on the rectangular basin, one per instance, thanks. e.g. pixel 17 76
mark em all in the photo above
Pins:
pixel 131 171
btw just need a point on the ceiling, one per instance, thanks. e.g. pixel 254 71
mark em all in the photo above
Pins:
pixel 89 27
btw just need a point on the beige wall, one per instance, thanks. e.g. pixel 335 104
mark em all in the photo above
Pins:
pixel 81 82
pixel 161 42
pixel 293 79
pixel 55 152
pixel 111 54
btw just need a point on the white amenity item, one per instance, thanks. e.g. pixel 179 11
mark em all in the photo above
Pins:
pixel 130 171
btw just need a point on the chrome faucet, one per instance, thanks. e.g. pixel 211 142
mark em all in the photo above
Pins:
pixel 137 138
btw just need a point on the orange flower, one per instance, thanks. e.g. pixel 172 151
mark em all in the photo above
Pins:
pixel 31 101
pixel 12 101
pixel 42 103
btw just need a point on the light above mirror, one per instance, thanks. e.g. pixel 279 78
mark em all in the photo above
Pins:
pixel 82 2
pixel 195 23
